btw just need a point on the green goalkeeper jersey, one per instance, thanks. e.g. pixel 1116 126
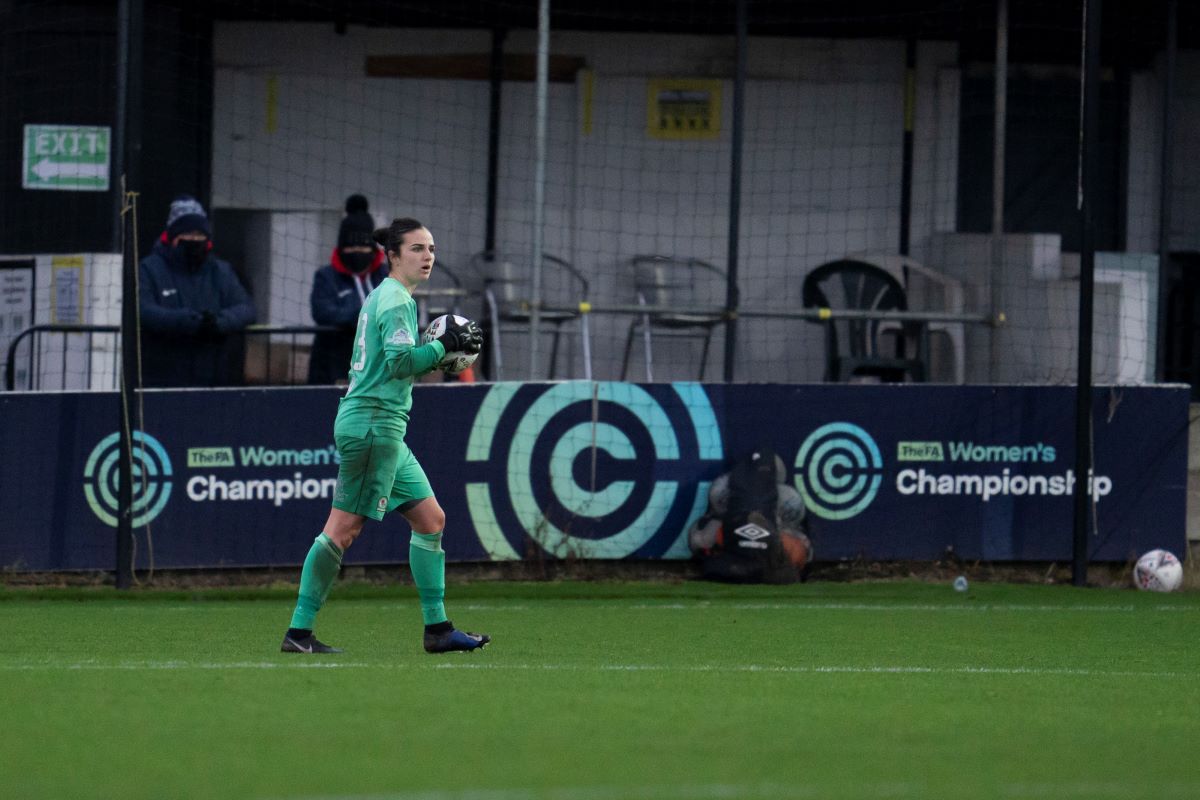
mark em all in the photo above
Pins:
pixel 385 359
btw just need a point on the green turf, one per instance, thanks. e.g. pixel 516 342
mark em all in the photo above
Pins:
pixel 599 691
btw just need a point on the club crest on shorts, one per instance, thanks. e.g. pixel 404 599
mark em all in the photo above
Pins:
pixel 382 504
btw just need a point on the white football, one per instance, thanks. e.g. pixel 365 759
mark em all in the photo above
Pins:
pixel 1158 571
pixel 453 363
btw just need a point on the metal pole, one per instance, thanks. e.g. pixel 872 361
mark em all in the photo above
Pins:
pixel 906 174
pixel 539 180
pixel 732 298
pixel 1089 140
pixel 129 104
pixel 496 81
pixel 127 397
pixel 122 111
pixel 1166 155
pixel 999 124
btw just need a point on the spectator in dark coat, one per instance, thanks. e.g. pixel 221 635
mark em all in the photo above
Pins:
pixel 191 303
pixel 355 267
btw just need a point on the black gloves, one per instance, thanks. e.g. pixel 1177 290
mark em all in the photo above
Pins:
pixel 462 338
pixel 208 326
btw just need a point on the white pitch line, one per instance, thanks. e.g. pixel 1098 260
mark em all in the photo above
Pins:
pixel 1092 790
pixel 716 605
pixel 715 791
pixel 1089 790
pixel 849 669
pixel 807 606
pixel 800 605
pixel 169 665
pixel 827 669
pixel 456 606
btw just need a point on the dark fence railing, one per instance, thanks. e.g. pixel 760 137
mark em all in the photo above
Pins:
pixel 77 365
pixel 87 357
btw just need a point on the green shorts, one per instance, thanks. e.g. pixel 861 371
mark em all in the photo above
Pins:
pixel 377 475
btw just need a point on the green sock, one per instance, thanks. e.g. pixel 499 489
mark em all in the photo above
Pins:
pixel 427 560
pixel 320 569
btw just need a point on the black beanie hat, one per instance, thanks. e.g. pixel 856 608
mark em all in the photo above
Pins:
pixel 186 216
pixel 357 230
pixel 358 226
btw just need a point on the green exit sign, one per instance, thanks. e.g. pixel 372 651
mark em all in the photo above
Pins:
pixel 70 158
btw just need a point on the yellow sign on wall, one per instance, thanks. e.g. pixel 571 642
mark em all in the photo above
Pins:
pixel 66 285
pixel 683 108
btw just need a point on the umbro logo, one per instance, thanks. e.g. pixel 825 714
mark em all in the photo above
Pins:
pixel 168 292
pixel 752 532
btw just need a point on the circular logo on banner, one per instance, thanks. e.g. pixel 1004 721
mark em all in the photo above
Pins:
pixel 151 475
pixel 838 470
pixel 591 470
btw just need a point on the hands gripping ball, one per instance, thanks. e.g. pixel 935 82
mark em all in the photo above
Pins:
pixel 461 337
pixel 1158 571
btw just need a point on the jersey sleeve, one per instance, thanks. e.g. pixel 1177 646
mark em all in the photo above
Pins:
pixel 403 356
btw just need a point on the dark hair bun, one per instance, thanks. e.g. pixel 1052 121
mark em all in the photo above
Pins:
pixel 356 203
pixel 392 237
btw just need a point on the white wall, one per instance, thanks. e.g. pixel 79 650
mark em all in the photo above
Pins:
pixel 298 127
pixel 1145 141
pixel 1185 178
pixel 72 361
pixel 1145 136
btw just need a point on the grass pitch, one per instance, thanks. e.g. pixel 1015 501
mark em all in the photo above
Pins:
pixel 605 691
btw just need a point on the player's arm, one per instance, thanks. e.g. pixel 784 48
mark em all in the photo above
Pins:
pixel 402 355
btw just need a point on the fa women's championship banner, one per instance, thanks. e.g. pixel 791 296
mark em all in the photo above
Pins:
pixel 599 470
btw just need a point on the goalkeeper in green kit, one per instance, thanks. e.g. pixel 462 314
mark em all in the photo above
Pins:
pixel 378 473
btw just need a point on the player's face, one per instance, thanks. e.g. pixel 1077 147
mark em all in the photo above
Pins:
pixel 413 262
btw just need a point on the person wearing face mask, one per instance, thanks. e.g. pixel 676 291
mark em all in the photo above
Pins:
pixel 355 267
pixel 190 303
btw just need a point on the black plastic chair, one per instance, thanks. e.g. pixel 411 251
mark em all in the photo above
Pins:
pixel 508 295
pixel 688 284
pixel 854 347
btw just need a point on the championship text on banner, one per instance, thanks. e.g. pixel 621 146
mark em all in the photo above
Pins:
pixel 600 470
